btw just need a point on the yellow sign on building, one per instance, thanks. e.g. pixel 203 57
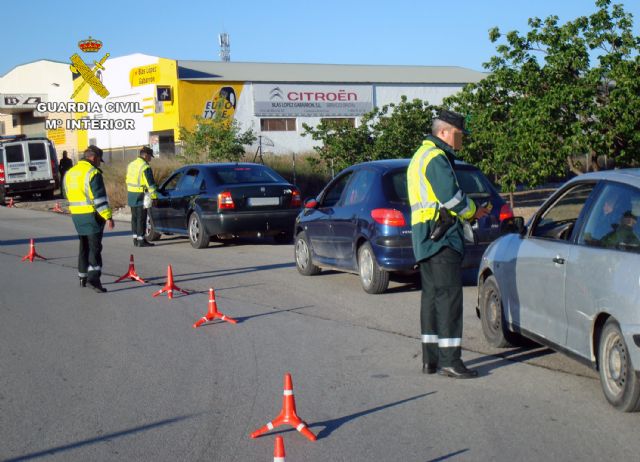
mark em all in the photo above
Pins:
pixel 57 135
pixel 144 75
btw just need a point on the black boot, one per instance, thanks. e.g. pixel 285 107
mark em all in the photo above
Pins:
pixel 459 371
pixel 136 242
pixel 83 281
pixel 97 286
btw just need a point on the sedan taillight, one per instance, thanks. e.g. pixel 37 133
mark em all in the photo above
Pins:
pixel 389 217
pixel 506 212
pixel 1 173
pixel 225 201
pixel 296 200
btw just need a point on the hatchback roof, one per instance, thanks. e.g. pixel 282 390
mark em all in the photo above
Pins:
pixel 623 175
pixel 396 163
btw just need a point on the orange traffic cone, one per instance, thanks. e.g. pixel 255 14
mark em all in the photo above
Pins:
pixel 213 312
pixel 287 414
pixel 10 204
pixel 169 287
pixel 57 208
pixel 32 253
pixel 278 450
pixel 131 274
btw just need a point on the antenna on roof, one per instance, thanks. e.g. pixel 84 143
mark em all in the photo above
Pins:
pixel 225 47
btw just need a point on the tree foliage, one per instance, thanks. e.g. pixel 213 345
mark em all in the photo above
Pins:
pixel 393 131
pixel 557 95
pixel 216 139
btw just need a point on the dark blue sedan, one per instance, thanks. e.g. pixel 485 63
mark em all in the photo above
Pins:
pixel 361 222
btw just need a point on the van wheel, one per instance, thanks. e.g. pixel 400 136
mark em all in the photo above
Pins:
pixel 374 279
pixel 47 195
pixel 150 233
pixel 2 195
pixel 618 378
pixel 197 234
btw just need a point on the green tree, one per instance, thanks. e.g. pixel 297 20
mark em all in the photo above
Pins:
pixel 555 96
pixel 393 131
pixel 216 139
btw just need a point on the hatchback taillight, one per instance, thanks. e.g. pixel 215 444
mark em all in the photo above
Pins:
pixel 1 173
pixel 506 212
pixel 296 200
pixel 389 217
pixel 225 201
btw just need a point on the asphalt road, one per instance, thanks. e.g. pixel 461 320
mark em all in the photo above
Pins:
pixel 124 376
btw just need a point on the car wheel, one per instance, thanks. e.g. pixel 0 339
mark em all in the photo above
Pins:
pixel 150 232
pixel 494 327
pixel 374 280
pixel 619 380
pixel 304 264
pixel 197 234
pixel 2 195
pixel 283 238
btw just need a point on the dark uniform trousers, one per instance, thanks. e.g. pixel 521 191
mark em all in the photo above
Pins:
pixel 441 308
pixel 138 221
pixel 90 256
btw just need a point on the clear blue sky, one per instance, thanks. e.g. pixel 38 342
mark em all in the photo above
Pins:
pixel 420 32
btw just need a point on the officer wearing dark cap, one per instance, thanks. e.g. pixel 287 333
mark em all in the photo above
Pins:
pixel 434 191
pixel 140 181
pixel 90 212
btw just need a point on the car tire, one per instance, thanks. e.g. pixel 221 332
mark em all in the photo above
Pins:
pixel 197 234
pixel 494 327
pixel 2 195
pixel 374 279
pixel 284 237
pixel 150 233
pixel 619 381
pixel 302 255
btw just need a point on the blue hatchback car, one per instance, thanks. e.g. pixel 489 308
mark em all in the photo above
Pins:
pixel 361 222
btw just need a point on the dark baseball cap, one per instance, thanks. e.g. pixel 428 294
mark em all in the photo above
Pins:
pixel 629 214
pixel 146 150
pixel 453 118
pixel 93 149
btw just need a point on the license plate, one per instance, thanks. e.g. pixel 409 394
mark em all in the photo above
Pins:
pixel 258 201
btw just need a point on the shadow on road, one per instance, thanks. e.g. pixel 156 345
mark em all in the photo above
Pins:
pixel 72 237
pixel 110 436
pixel 487 363
pixel 448 456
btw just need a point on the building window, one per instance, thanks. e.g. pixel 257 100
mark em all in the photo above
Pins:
pixel 15 120
pixel 278 125
pixel 339 121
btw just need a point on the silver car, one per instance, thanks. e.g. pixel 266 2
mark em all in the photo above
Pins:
pixel 570 279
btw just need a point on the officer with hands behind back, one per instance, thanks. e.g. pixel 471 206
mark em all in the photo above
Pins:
pixel 434 190
pixel 84 189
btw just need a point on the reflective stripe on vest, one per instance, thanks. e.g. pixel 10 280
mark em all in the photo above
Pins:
pixel 77 185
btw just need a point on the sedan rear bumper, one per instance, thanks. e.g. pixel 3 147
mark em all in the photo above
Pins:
pixel 243 223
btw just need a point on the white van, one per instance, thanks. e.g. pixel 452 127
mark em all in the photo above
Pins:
pixel 27 165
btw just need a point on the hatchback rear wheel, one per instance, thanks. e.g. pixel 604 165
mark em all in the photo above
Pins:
pixel 197 235
pixel 618 378
pixel 374 279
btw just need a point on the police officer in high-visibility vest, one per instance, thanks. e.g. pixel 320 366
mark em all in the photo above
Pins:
pixel 433 186
pixel 140 181
pixel 84 189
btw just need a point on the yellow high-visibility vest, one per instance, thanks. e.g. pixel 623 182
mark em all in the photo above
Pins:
pixel 423 201
pixel 77 187
pixel 136 179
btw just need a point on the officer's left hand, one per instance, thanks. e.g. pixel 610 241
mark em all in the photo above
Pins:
pixel 110 224
pixel 481 212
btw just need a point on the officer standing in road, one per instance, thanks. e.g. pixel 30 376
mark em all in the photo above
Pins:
pixel 433 187
pixel 140 180
pixel 84 189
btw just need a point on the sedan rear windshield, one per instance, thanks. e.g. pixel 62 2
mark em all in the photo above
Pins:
pixel 245 174
pixel 471 181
